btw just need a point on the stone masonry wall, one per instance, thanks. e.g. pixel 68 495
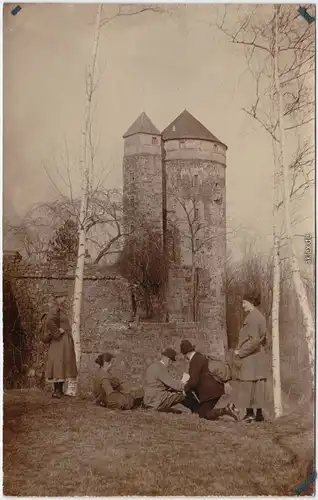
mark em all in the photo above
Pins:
pixel 200 185
pixel 143 190
pixel 136 349
pixel 106 309
pixel 105 299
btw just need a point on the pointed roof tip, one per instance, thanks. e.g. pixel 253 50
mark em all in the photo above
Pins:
pixel 143 125
pixel 185 126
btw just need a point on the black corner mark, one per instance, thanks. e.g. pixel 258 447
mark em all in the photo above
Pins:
pixel 312 478
pixel 16 9
pixel 303 12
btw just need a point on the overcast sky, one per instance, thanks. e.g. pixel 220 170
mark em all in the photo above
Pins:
pixel 157 63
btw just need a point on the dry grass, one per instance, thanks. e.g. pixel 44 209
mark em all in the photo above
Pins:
pixel 73 448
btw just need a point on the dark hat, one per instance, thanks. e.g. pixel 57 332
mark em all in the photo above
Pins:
pixel 186 347
pixel 170 353
pixel 253 298
pixel 104 357
pixel 56 295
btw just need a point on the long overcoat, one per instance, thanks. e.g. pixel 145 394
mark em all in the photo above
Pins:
pixel 61 361
pixel 252 361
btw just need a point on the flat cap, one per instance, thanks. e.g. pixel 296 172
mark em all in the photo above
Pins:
pixel 170 353
pixel 186 347
pixel 105 357
pixel 253 298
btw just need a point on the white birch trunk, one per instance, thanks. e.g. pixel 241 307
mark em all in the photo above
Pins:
pixel 193 293
pixel 298 284
pixel 72 388
pixel 277 388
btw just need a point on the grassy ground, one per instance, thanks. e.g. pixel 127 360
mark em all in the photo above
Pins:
pixel 73 448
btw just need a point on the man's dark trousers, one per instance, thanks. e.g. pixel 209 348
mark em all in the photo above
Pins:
pixel 195 406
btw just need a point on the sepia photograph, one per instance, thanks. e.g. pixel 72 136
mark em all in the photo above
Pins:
pixel 159 249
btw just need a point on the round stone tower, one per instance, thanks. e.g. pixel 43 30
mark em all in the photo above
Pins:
pixel 194 170
pixel 142 176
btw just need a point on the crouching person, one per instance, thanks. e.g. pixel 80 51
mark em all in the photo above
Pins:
pixel 162 391
pixel 108 390
pixel 203 388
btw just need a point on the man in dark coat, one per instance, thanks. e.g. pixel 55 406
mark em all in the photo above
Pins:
pixel 61 361
pixel 202 389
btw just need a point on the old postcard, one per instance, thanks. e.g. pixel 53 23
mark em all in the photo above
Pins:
pixel 159 249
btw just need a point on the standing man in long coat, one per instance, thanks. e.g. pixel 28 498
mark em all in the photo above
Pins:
pixel 61 361
pixel 251 360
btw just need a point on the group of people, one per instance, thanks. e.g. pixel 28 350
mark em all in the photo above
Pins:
pixel 200 390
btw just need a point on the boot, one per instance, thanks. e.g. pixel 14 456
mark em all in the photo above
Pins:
pixel 170 410
pixel 259 415
pixel 61 386
pixel 229 411
pixel 137 403
pixel 249 416
pixel 232 411
pixel 56 392
pixel 214 414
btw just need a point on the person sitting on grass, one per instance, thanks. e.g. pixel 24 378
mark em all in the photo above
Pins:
pixel 108 390
pixel 202 389
pixel 162 391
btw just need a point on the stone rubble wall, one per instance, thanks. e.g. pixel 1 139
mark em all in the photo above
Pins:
pixel 135 349
pixel 105 315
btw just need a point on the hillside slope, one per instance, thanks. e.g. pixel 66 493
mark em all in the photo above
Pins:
pixel 73 448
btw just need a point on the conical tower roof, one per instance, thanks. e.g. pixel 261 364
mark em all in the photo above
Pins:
pixel 143 125
pixel 185 126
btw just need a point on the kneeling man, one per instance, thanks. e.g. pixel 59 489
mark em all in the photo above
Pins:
pixel 206 389
pixel 161 390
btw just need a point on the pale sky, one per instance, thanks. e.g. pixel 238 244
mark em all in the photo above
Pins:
pixel 152 62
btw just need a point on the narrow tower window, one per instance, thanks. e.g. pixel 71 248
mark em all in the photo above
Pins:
pixel 195 180
pixel 154 140
pixel 132 176
pixel 197 243
pixel 196 213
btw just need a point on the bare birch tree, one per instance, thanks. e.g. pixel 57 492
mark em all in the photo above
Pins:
pixel 277 386
pixel 85 161
pixel 299 286
pixel 279 48
pixel 86 182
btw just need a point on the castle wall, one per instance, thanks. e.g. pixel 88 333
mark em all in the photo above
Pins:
pixel 196 207
pixel 106 308
pixel 142 176
pixel 105 299
pixel 195 148
pixel 136 349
